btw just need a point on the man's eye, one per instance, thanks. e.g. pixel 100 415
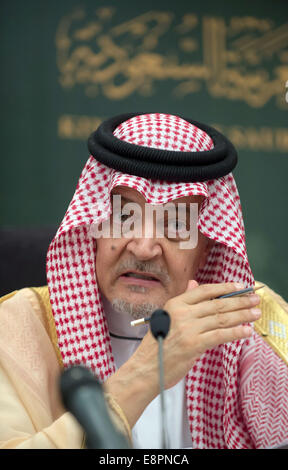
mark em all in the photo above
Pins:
pixel 125 217
pixel 175 229
pixel 177 225
pixel 120 218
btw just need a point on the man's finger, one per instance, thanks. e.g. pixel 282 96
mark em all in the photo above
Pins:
pixel 222 306
pixel 208 292
pixel 211 339
pixel 229 319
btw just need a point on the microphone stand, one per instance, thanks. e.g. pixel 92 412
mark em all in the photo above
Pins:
pixel 159 325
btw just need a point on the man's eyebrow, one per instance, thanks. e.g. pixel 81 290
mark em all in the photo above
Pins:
pixel 123 198
pixel 126 200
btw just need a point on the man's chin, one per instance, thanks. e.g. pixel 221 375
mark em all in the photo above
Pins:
pixel 137 307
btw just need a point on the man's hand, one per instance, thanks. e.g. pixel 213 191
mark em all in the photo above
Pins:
pixel 199 322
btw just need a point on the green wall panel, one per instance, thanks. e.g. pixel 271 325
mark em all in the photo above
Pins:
pixel 67 65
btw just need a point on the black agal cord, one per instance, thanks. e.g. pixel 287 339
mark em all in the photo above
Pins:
pixel 161 164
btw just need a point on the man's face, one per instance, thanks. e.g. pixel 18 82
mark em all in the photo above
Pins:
pixel 139 274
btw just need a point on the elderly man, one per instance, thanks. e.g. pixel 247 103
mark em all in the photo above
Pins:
pixel 103 271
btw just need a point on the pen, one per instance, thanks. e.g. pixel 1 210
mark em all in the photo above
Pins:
pixel 142 321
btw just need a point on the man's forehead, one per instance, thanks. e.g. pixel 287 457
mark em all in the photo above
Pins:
pixel 128 193
pixel 131 194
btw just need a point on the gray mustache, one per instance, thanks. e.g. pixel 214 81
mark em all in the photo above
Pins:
pixel 144 267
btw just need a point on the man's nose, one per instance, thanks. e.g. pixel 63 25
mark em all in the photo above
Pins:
pixel 144 248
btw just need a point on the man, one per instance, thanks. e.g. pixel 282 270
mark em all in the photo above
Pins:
pixel 101 277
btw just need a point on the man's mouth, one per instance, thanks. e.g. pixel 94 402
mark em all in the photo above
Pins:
pixel 144 279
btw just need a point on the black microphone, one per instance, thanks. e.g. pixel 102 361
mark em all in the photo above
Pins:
pixel 83 396
pixel 159 325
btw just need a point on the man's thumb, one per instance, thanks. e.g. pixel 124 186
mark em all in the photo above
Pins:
pixel 192 284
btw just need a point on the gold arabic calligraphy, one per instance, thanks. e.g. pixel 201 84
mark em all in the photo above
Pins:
pixel 244 59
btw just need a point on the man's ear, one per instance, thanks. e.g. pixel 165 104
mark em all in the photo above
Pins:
pixel 208 245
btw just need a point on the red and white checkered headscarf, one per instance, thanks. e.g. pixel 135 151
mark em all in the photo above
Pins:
pixel 212 384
